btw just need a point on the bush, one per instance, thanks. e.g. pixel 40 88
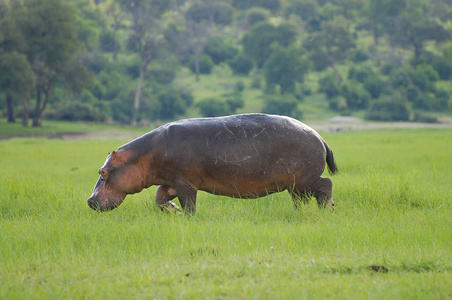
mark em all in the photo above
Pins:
pixel 423 78
pixel 205 64
pixel 306 10
pixel 359 55
pixel 108 42
pixel 77 111
pixel 241 64
pixel 282 105
pixel 360 73
pixel 355 95
pixel 213 107
pixel 440 64
pixel 423 118
pixel 338 103
pixel 328 85
pixel 171 104
pixel 375 85
pixel 219 50
pixel 389 108
pixel 256 15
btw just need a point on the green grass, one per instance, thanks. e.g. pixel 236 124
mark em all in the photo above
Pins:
pixel 53 129
pixel 393 211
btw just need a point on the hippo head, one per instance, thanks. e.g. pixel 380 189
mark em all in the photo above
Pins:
pixel 119 176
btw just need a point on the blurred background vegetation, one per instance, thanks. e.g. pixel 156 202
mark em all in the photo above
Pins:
pixel 143 61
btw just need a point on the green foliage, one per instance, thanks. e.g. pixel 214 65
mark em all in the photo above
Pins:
pixel 356 95
pixel 205 64
pixel 172 103
pixel 286 105
pixel 219 49
pixel 389 108
pixel 228 104
pixel 241 64
pixel 328 85
pixel 16 77
pixel 372 81
pixel 271 5
pixel 257 43
pixel 440 64
pixel 61 40
pixel 331 44
pixel 213 107
pixel 256 15
pixel 108 41
pixel 359 55
pixel 77 111
pixel 413 31
pixel 419 85
pixel 219 13
pixel 285 67
pixel 306 10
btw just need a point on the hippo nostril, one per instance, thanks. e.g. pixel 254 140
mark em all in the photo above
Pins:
pixel 93 204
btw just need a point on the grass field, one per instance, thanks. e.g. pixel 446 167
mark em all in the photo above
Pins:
pixel 389 238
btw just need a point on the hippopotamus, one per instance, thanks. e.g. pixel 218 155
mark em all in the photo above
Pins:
pixel 245 156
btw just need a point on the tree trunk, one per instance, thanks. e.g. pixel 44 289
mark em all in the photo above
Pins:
pixel 10 109
pixel 197 58
pixel 336 72
pixel 25 114
pixel 375 33
pixel 136 103
pixel 39 110
pixel 37 117
pixel 417 53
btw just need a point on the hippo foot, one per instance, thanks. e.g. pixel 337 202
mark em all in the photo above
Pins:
pixel 173 208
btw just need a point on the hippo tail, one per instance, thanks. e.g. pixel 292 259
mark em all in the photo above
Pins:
pixel 332 167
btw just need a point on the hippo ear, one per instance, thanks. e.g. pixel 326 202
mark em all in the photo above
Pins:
pixel 113 154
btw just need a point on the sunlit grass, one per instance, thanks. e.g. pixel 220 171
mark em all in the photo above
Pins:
pixel 393 214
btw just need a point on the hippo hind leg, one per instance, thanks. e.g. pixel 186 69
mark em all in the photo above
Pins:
pixel 163 198
pixel 322 190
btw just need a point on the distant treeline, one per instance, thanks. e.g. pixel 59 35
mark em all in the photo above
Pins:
pixel 116 60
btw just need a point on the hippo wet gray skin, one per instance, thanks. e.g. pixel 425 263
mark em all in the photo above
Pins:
pixel 245 156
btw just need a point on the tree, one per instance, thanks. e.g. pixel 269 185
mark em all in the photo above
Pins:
pixel 114 11
pixel 17 80
pixel 414 31
pixel 200 20
pixel 285 67
pixel 330 44
pixel 378 11
pixel 49 29
pixel 11 40
pixel 197 34
pixel 258 41
pixel 147 38
pixel 211 12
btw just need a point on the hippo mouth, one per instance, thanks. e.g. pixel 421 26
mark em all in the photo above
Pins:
pixel 95 205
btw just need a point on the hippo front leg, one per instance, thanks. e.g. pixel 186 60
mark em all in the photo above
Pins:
pixel 187 196
pixel 163 198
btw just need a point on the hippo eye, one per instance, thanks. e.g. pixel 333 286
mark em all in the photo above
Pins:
pixel 102 173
